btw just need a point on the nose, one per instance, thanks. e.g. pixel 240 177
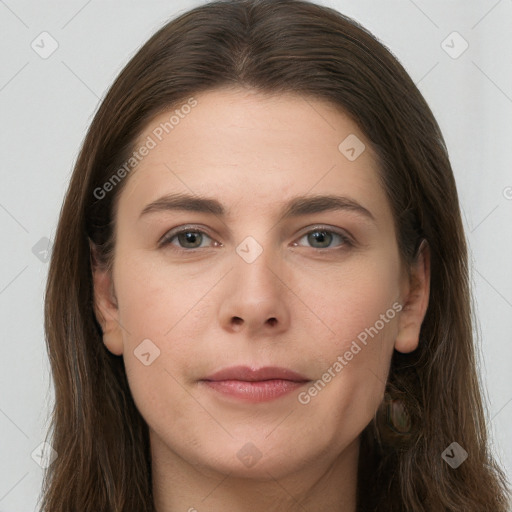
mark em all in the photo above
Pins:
pixel 256 296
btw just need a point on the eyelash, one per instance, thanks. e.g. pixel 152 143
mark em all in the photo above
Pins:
pixel 169 236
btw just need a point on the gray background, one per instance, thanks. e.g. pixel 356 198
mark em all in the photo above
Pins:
pixel 48 103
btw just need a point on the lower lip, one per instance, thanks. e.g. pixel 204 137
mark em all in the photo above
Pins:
pixel 257 391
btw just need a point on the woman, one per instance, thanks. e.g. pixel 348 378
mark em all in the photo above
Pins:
pixel 254 369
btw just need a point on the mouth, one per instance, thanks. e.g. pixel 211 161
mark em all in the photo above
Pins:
pixel 254 384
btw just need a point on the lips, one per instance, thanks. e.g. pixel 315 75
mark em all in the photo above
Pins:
pixel 242 383
pixel 248 374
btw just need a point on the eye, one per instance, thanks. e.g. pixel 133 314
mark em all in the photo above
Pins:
pixel 321 238
pixel 186 238
pixel 193 238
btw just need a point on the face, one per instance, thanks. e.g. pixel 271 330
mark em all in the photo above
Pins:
pixel 257 278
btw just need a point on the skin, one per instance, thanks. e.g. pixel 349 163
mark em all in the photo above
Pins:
pixel 208 309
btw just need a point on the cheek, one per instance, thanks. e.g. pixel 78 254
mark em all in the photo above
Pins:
pixel 156 299
pixel 352 298
pixel 351 380
pixel 165 312
pixel 361 309
pixel 160 317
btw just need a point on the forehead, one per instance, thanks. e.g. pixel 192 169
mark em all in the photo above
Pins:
pixel 247 146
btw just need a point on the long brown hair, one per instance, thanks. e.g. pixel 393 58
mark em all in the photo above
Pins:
pixel 102 441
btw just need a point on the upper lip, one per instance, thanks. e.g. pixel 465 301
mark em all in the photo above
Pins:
pixel 249 374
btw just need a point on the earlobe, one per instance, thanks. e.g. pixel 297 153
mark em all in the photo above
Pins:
pixel 415 302
pixel 106 307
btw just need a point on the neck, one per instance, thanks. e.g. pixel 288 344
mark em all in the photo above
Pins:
pixel 321 484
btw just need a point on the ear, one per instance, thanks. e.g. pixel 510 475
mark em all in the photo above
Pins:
pixel 415 300
pixel 105 305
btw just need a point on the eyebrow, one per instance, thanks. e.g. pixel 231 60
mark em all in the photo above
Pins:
pixel 301 205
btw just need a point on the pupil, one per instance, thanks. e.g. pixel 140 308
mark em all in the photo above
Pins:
pixel 189 237
pixel 320 236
